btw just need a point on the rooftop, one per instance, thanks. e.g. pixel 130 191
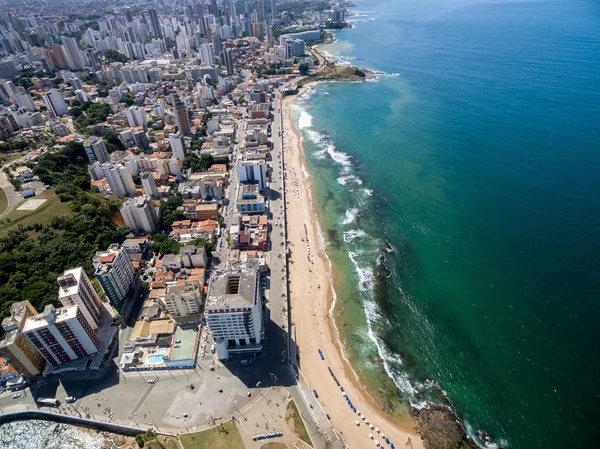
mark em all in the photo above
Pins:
pixel 234 289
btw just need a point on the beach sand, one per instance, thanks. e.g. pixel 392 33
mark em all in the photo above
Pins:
pixel 311 297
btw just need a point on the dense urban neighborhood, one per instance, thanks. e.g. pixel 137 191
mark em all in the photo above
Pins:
pixel 143 265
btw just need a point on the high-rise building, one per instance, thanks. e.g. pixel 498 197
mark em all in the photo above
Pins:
pixel 182 118
pixel 149 185
pixel 233 10
pixel 233 312
pixel 177 146
pixel 81 95
pixel 141 139
pixel 72 53
pixel 207 54
pixel 75 288
pixel 155 24
pixel 228 61
pixel 115 273
pixel 96 149
pixel 261 11
pixel 15 347
pixel 55 102
pixel 139 215
pixel 119 179
pixel 61 335
pixel 273 9
pixel 182 300
pixel 252 171
pixel 136 116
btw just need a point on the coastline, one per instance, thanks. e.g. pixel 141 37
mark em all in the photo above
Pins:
pixel 312 296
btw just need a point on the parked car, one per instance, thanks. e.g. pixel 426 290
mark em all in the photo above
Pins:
pixel 150 381
pixel 315 393
pixel 70 399
pixel 16 395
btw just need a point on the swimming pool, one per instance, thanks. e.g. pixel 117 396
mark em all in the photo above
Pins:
pixel 156 358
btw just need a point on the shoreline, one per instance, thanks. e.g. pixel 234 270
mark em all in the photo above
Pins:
pixel 312 300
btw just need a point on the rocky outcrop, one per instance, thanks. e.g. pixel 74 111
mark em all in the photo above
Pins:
pixel 440 428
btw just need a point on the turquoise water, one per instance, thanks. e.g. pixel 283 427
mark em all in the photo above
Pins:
pixel 460 202
pixel 157 358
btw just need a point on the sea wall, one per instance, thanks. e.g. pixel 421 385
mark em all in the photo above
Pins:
pixel 28 415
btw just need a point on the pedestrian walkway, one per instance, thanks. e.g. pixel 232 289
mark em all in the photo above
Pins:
pixel 299 444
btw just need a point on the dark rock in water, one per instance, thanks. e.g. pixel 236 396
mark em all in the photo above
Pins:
pixel 440 428
pixel 484 437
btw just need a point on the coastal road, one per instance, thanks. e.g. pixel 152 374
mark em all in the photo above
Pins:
pixel 13 197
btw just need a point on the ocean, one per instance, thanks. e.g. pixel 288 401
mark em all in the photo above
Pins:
pixel 460 204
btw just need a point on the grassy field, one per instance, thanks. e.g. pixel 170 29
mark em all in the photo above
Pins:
pixel 224 436
pixel 275 446
pixel 295 423
pixel 3 201
pixel 43 214
pixel 162 443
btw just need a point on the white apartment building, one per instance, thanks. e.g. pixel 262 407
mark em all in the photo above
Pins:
pixel 119 179
pixel 149 185
pixel 55 102
pixel 136 116
pixel 96 149
pixel 177 146
pixel 233 311
pixel 75 288
pixel 182 300
pixel 252 171
pixel 115 273
pixel 140 215
pixel 61 335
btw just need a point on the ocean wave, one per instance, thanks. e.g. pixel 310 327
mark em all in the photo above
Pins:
pixel 351 215
pixel 368 192
pixel 501 443
pixel 343 180
pixel 353 234
pixel 366 276
pixel 305 120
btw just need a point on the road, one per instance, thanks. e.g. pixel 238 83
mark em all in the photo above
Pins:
pixel 13 197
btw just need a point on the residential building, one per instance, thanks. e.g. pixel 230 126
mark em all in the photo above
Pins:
pixel 20 353
pixel 96 149
pixel 136 116
pixel 149 185
pixel 140 215
pixel 75 288
pixel 55 102
pixel 249 200
pixel 193 256
pixel 252 171
pixel 183 300
pixel 115 273
pixel 233 311
pixel 177 146
pixel 182 118
pixel 119 179
pixel 61 335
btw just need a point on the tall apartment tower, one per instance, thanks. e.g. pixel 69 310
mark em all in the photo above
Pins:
pixel 72 53
pixel 261 11
pixel 61 335
pixel 182 118
pixel 115 273
pixel 273 10
pixel 20 353
pixel 139 215
pixel 55 103
pixel 177 146
pixel 136 116
pixel 96 149
pixel 228 61
pixel 233 11
pixel 119 179
pixel 155 23
pixel 233 312
pixel 75 288
pixel 182 300
pixel 150 186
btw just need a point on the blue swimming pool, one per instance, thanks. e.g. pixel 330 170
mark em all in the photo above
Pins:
pixel 156 358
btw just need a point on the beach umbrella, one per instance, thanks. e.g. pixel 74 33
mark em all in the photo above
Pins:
pixel 387 440
pixel 366 421
pixel 371 426
pixel 357 423
pixel 371 435
pixel 392 445
pixel 376 443
pixel 377 429
pixel 357 412
pixel 354 409
pixel 382 435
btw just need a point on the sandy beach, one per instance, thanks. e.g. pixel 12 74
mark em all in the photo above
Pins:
pixel 311 296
